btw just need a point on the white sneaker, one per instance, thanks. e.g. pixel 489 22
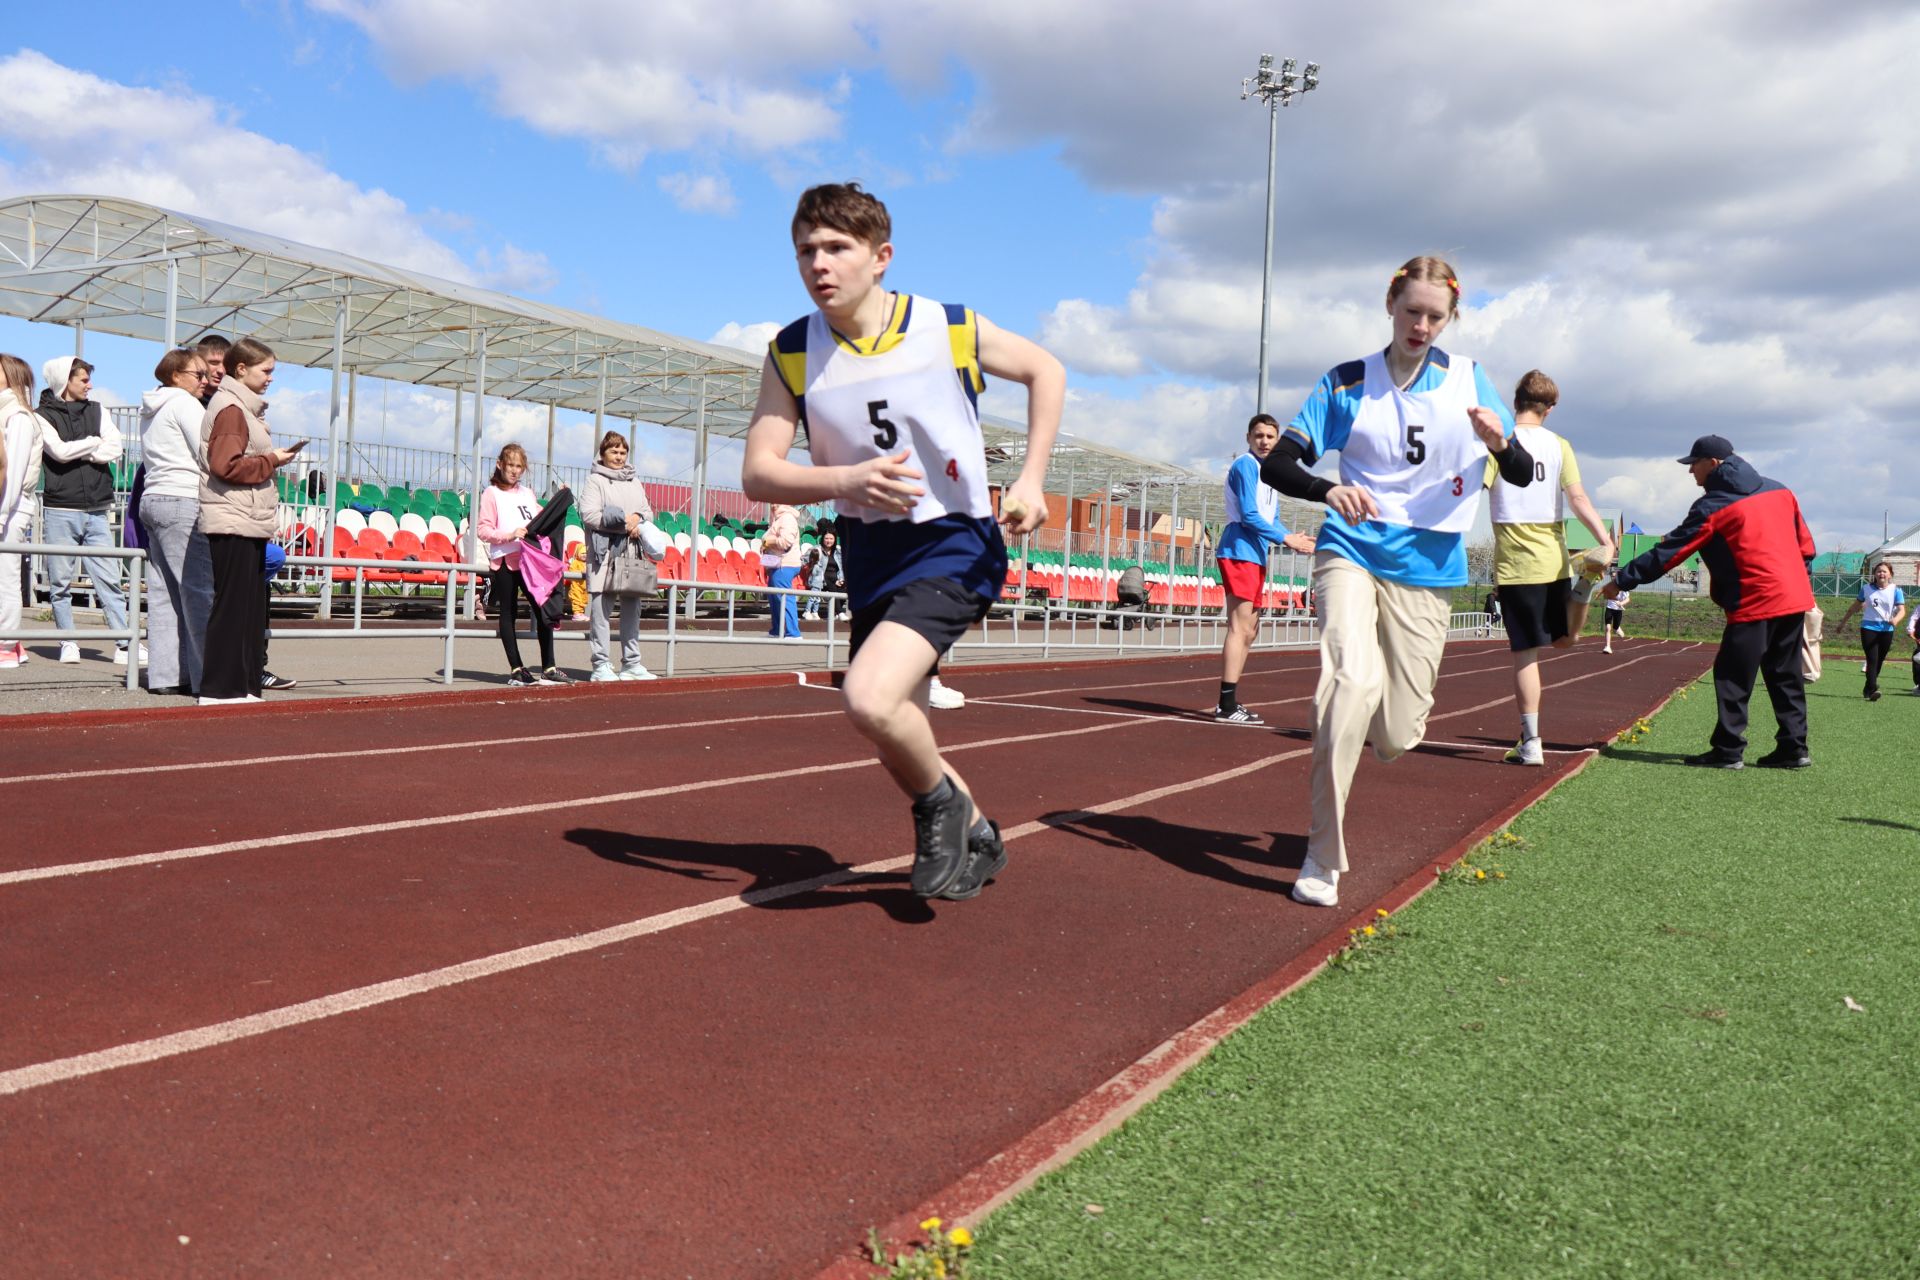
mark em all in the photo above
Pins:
pixel 1608 649
pixel 938 695
pixel 1526 751
pixel 602 674
pixel 69 651
pixel 637 671
pixel 120 656
pixel 1315 885
pixel 11 656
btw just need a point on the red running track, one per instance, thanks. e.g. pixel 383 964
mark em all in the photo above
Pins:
pixel 589 984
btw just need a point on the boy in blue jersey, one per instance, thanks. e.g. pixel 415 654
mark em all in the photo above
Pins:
pixel 1252 530
pixel 886 387
pixel 1414 427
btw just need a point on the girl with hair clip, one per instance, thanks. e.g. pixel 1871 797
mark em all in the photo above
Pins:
pixel 507 507
pixel 19 473
pixel 1413 426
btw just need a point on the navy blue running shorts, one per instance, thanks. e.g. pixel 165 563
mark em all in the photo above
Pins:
pixel 939 610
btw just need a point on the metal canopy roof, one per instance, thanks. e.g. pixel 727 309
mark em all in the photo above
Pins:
pixel 132 269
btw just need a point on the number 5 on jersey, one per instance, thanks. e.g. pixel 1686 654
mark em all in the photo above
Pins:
pixel 887 436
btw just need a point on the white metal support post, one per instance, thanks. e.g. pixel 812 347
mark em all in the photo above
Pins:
pixel 79 340
pixel 333 440
pixel 699 490
pixel 173 303
pixel 472 541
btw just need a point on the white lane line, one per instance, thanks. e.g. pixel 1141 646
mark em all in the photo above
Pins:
pixel 40 1074
pixel 486 815
pixel 359 752
pixel 1490 746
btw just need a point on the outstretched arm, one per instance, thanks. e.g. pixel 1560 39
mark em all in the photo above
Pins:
pixel 1017 359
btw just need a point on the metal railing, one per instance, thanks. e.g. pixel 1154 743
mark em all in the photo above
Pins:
pixel 135 581
pixel 1061 626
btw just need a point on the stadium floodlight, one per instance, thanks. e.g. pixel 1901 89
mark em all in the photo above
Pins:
pixel 1276 90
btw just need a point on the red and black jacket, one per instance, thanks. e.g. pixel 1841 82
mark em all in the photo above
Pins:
pixel 1750 535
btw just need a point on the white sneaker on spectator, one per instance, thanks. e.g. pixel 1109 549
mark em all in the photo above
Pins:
pixel 11 656
pixel 938 695
pixel 1316 885
pixel 638 671
pixel 69 651
pixel 120 656
pixel 603 673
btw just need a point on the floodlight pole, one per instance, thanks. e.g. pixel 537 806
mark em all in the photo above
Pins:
pixel 1276 91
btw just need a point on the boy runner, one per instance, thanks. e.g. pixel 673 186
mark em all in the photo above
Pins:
pixel 1540 603
pixel 886 386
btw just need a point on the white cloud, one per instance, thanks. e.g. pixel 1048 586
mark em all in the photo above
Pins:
pixel 746 337
pixel 700 193
pixel 1693 215
pixel 71 131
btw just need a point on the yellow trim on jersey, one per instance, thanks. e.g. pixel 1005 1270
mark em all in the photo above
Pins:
pixel 887 339
pixel 965 338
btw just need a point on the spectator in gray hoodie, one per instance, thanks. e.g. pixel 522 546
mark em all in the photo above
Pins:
pixel 179 568
pixel 614 509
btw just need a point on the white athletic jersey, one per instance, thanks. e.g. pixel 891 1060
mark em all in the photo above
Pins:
pixel 908 395
pixel 1543 501
pixel 1881 604
pixel 1416 452
pixel 1619 601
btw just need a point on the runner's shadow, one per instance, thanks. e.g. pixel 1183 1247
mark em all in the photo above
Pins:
pixel 1881 822
pixel 772 866
pixel 1214 854
pixel 1634 755
pixel 1151 708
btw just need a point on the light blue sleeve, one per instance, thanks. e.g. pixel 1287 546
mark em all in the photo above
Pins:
pixel 1862 597
pixel 1899 597
pixel 1244 479
pixel 1317 423
pixel 1489 398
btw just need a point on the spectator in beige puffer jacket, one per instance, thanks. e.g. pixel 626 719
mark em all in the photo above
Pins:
pixel 238 510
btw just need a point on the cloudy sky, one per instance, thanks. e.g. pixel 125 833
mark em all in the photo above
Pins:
pixel 1697 217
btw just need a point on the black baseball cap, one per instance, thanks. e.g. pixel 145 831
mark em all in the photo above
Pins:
pixel 1719 448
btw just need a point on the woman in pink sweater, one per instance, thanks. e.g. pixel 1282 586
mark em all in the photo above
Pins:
pixel 506 508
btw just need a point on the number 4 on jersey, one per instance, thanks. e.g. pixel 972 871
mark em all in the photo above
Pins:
pixel 953 469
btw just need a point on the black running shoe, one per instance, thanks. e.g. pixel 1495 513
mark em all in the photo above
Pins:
pixel 1784 758
pixel 1714 760
pixel 554 675
pixel 523 678
pixel 277 684
pixel 986 858
pixel 939 840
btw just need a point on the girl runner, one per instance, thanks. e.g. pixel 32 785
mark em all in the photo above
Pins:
pixel 1414 426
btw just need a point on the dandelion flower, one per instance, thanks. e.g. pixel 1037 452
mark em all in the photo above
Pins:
pixel 1479 875
pixel 1381 912
pixel 931 1224
pixel 960 1236
pixel 939 1268
pixel 1368 931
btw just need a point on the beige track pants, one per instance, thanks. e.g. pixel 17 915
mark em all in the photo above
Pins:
pixel 1380 647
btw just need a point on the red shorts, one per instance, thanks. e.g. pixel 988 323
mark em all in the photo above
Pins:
pixel 1243 578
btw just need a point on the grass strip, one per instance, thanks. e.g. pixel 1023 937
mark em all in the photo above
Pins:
pixel 1626 1051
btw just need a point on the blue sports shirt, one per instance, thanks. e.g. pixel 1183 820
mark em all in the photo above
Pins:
pixel 1251 536
pixel 1398 553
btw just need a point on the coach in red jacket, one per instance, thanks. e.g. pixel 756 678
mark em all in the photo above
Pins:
pixel 1749 532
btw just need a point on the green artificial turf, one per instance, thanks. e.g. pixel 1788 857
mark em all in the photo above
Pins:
pixel 1631 1056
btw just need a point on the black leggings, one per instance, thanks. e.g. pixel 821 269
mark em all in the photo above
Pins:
pixel 506 605
pixel 1877 644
